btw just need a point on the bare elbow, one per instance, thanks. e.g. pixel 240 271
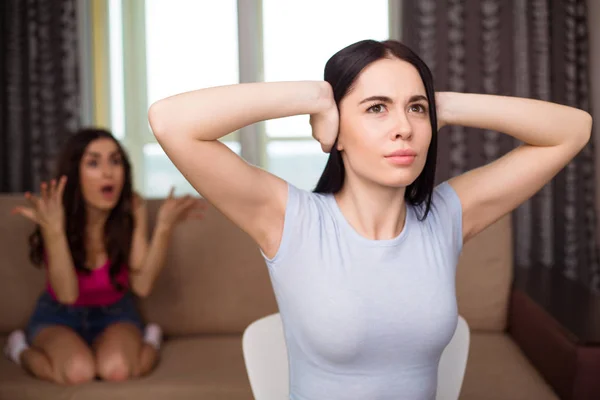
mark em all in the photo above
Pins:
pixel 156 119
pixel 142 294
pixel 589 121
pixel 141 291
pixel 579 132
pixel 586 128
pixel 67 299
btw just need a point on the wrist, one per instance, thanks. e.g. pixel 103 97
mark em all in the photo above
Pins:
pixel 139 217
pixel 163 228
pixel 443 108
pixel 53 233
pixel 325 99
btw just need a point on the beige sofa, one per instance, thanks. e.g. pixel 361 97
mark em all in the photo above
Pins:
pixel 216 283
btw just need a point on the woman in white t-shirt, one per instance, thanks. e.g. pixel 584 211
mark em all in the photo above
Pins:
pixel 363 267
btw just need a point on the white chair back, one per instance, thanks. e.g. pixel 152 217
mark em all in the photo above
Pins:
pixel 265 355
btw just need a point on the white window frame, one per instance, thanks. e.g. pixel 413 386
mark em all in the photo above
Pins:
pixel 253 139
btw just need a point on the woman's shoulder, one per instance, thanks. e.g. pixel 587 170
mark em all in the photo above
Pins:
pixel 444 200
pixel 307 208
pixel 302 198
pixel 307 214
pixel 444 218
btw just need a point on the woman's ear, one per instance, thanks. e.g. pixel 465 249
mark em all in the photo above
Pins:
pixel 338 144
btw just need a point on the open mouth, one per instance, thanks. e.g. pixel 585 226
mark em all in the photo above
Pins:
pixel 108 191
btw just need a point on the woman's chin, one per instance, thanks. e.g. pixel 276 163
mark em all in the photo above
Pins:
pixel 398 182
pixel 103 204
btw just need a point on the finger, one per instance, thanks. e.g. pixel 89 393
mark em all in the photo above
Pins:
pixel 182 200
pixel 181 207
pixel 52 188
pixel 201 204
pixel 27 212
pixel 61 186
pixel 44 191
pixel 33 199
pixel 184 206
pixel 191 214
pixel 171 192
pixel 188 203
pixel 195 215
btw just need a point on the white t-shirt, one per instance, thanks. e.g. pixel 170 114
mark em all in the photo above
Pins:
pixel 366 319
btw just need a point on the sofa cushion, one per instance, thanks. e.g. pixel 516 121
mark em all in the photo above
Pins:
pixel 498 370
pixel 208 367
pixel 20 282
pixel 212 367
pixel 214 281
pixel 484 278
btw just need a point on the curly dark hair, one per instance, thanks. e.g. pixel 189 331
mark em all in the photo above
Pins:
pixel 118 231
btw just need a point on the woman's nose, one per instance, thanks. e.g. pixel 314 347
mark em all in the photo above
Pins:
pixel 402 128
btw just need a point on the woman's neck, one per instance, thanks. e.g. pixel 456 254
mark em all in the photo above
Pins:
pixel 375 212
pixel 95 223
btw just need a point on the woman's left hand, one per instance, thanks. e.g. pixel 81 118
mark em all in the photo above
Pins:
pixel 174 210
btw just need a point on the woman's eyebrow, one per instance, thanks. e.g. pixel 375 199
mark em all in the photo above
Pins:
pixel 383 99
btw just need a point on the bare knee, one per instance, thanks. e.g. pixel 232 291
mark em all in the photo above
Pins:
pixel 78 369
pixel 114 367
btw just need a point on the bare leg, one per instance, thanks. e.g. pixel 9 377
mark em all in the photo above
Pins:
pixel 37 363
pixel 121 353
pixel 59 355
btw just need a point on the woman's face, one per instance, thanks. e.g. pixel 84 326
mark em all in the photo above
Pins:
pixel 102 174
pixel 385 129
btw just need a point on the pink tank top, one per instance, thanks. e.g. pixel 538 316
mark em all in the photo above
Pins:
pixel 96 289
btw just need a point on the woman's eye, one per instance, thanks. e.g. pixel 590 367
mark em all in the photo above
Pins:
pixel 417 108
pixel 92 163
pixel 377 108
pixel 116 161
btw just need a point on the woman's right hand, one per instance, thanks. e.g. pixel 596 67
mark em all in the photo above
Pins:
pixel 325 124
pixel 46 210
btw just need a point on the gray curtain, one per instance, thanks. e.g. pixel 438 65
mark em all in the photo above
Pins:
pixel 39 95
pixel 527 48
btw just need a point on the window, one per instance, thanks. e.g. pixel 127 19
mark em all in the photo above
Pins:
pixel 182 55
pixel 293 51
pixel 191 44
pixel 298 41
pixel 117 106
pixel 161 174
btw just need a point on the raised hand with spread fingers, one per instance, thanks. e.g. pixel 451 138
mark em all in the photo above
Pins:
pixel 47 209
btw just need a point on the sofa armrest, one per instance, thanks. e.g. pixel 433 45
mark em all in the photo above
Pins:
pixel 548 347
pixel 550 319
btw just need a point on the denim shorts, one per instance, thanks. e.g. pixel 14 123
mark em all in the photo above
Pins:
pixel 88 322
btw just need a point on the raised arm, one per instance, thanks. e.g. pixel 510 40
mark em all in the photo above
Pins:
pixel 48 213
pixel 189 125
pixel 553 135
pixel 148 258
